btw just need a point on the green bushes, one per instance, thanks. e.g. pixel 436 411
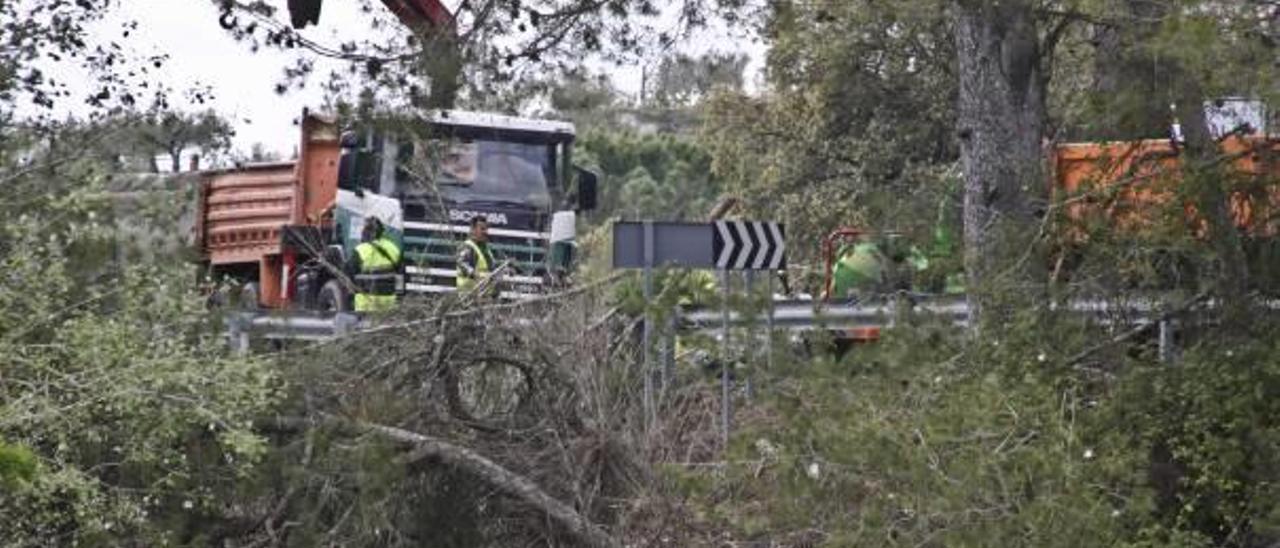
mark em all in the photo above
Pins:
pixel 927 440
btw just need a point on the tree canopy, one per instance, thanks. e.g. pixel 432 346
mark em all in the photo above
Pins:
pixel 126 419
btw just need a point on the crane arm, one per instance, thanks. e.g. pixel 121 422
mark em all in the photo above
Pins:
pixel 418 15
pixel 421 14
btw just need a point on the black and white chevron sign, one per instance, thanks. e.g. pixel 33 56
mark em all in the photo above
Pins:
pixel 749 245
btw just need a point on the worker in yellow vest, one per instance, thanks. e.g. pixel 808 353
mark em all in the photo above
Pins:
pixel 375 266
pixel 475 259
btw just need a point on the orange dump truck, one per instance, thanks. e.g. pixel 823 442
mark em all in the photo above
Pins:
pixel 1123 183
pixel 255 222
pixel 281 232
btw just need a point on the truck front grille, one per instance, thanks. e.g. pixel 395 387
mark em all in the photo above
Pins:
pixel 431 251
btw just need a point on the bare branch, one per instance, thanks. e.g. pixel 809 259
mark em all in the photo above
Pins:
pixel 497 476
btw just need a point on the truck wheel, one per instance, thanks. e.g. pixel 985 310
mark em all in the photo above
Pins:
pixel 333 298
pixel 249 296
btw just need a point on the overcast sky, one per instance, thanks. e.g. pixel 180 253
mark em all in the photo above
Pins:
pixel 201 53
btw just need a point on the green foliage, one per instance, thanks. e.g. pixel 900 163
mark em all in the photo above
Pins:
pixel 360 494
pixel 912 443
pixel 124 420
pixel 588 99
pixel 171 133
pixel 1206 429
pixel 44 41
pixel 856 128
pixel 924 439
pixel 1014 439
pixel 657 177
pixel 115 378
pixel 1149 55
pixel 17 465
pixel 683 80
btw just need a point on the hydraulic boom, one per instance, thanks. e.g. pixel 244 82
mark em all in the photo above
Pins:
pixel 418 15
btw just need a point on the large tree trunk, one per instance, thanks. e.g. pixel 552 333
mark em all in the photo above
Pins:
pixel 1000 123
pixel 1206 173
pixel 1135 84
pixel 1127 98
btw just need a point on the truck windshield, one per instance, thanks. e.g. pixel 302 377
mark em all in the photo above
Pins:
pixel 478 170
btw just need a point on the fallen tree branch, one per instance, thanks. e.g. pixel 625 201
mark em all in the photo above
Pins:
pixel 482 468
pixel 504 480
pixel 472 311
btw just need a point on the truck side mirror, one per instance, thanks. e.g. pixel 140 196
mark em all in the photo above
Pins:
pixel 587 183
pixel 347 170
pixel 349 160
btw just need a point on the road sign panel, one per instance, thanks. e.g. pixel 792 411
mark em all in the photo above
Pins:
pixel 682 245
pixel 749 245
pixel 725 245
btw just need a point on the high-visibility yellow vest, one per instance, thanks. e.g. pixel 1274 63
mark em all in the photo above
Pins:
pixel 465 282
pixel 376 281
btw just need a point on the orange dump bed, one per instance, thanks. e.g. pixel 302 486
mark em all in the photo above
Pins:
pixel 1125 182
pixel 245 211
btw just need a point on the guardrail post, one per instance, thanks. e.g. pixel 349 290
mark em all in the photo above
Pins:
pixel 647 341
pixel 344 323
pixel 1167 349
pixel 669 349
pixel 902 307
pixel 237 334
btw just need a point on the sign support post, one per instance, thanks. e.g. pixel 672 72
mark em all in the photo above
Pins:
pixel 725 402
pixel 721 245
pixel 768 325
pixel 647 367
pixel 754 351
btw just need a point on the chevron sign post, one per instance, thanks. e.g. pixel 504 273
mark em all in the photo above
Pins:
pixel 749 245
pixel 746 246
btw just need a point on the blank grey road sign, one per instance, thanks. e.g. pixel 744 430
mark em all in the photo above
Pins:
pixel 680 245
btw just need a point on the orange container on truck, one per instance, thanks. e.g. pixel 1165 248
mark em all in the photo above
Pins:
pixel 1123 184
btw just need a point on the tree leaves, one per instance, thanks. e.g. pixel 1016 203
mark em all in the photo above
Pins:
pixel 114 379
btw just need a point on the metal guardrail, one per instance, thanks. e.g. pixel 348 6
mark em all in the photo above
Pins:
pixel 242 326
pixel 788 314
pixel 807 314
